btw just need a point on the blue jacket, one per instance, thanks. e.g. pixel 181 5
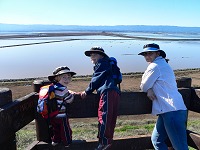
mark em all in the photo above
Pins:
pixel 102 78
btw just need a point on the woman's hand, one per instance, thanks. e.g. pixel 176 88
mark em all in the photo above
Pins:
pixel 151 95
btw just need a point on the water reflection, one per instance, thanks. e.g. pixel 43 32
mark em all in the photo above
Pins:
pixel 39 60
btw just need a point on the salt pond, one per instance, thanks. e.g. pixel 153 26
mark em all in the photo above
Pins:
pixel 39 60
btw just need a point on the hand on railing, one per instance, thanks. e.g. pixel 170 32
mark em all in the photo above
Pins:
pixel 83 94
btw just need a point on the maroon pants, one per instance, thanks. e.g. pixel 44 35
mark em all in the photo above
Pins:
pixel 107 116
pixel 61 130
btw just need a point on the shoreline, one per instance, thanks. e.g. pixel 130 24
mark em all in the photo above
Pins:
pixel 71 34
pixel 130 83
pixel 85 77
pixel 102 33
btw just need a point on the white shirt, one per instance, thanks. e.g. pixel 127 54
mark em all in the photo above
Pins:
pixel 160 77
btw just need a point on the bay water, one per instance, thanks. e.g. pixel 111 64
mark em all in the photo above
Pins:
pixel 39 60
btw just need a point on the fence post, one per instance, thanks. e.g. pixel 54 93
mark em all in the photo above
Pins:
pixel 9 142
pixel 184 82
pixel 41 124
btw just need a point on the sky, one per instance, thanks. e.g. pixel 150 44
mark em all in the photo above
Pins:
pixel 101 12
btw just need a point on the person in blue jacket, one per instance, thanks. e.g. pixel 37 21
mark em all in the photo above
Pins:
pixel 109 93
pixel 159 82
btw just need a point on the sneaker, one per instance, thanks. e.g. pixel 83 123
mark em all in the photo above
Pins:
pixel 67 145
pixel 103 147
pixel 54 143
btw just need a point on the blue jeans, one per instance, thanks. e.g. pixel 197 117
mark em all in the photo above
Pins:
pixel 172 125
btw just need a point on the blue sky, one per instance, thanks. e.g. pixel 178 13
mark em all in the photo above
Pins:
pixel 101 12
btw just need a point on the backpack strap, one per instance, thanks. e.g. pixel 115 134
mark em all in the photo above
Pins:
pixel 113 61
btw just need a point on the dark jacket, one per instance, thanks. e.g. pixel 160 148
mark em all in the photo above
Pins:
pixel 102 78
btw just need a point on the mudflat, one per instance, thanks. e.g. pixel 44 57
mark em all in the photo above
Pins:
pixel 131 82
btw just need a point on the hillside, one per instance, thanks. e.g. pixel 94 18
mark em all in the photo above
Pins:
pixel 117 28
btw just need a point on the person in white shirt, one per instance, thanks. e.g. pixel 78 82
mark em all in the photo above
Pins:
pixel 159 82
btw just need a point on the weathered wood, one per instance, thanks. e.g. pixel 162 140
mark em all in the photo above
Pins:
pixel 5 96
pixel 5 99
pixel 134 103
pixel 33 145
pixel 184 82
pixel 42 129
pixel 193 139
pixel 186 94
pixel 37 84
pixel 131 103
pixel 195 100
pixel 129 143
pixel 16 115
pixel 9 143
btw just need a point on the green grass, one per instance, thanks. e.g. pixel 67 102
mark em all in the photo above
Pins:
pixel 193 125
pixel 24 138
pixel 88 131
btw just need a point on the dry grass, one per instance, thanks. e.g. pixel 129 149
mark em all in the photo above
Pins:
pixel 130 82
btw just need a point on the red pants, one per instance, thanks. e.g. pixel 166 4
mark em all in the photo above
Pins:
pixel 61 130
pixel 107 116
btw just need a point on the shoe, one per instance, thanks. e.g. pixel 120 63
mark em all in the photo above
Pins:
pixel 54 143
pixel 103 147
pixel 67 145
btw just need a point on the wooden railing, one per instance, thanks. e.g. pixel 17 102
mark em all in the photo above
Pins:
pixel 15 114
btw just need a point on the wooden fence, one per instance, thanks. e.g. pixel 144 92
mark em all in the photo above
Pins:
pixel 15 114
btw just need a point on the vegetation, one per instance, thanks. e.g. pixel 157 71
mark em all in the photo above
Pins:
pixel 88 131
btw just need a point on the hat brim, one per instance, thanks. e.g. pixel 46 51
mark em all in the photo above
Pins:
pixel 162 53
pixel 52 77
pixel 88 53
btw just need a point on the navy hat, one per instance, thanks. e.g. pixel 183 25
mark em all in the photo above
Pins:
pixel 96 49
pixel 60 70
pixel 152 48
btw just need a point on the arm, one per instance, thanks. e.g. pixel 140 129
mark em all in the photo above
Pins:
pixel 69 98
pixel 99 75
pixel 150 94
pixel 149 78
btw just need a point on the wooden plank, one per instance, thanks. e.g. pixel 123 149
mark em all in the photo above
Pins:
pixel 9 143
pixel 16 115
pixel 195 100
pixel 131 103
pixel 193 139
pixel 128 143
pixel 5 96
pixel 22 111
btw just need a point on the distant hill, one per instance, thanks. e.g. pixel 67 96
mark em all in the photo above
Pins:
pixel 117 28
